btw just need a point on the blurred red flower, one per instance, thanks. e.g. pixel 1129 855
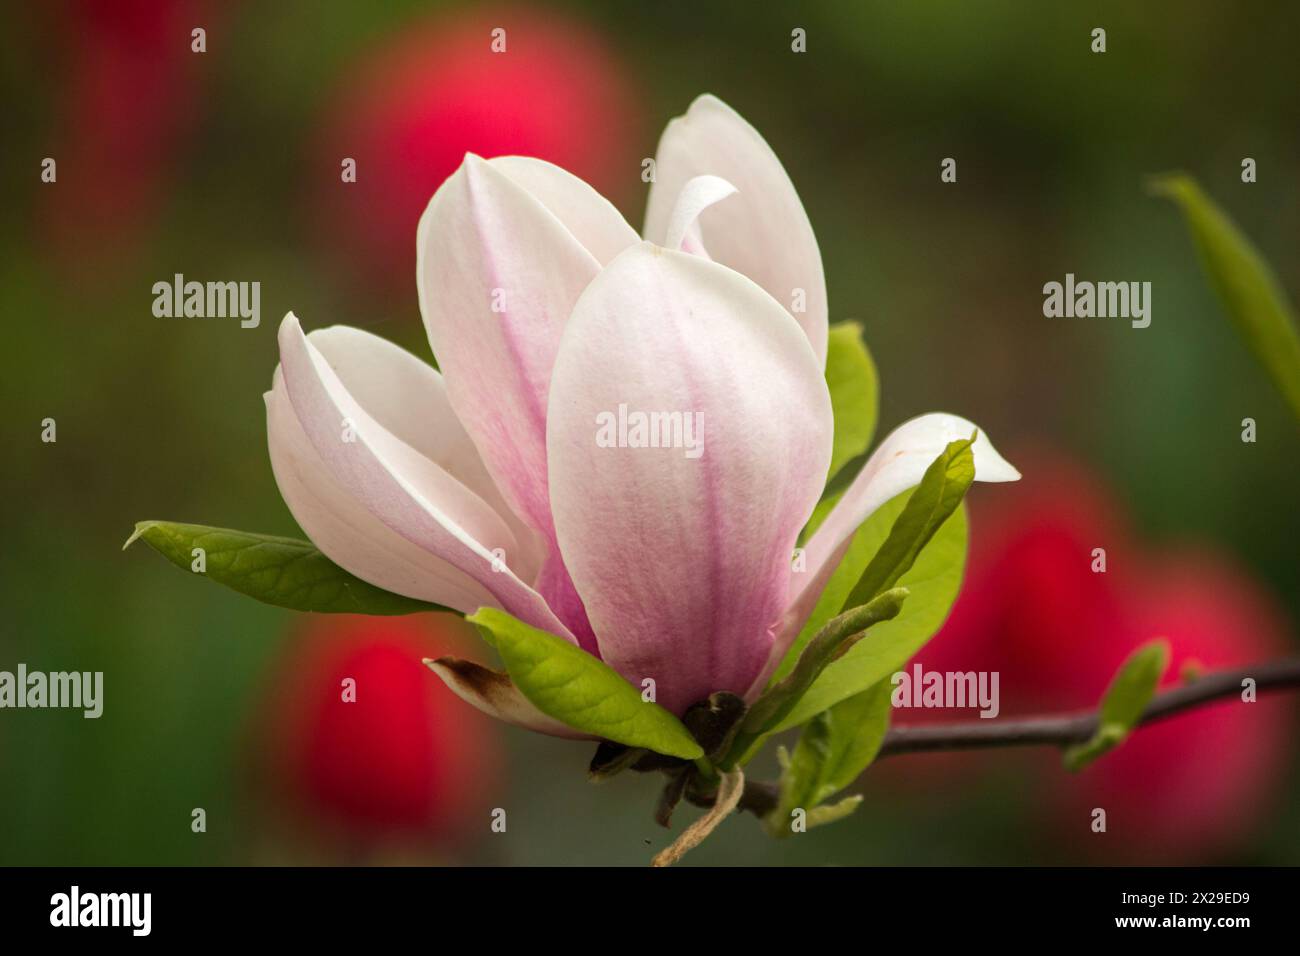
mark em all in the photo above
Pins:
pixel 366 746
pixel 120 114
pixel 1034 610
pixel 1191 787
pixel 411 108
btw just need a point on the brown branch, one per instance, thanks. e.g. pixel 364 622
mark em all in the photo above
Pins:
pixel 1065 729
pixel 1059 730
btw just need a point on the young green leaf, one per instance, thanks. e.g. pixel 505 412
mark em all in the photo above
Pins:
pixel 799 774
pixel 918 539
pixel 932 585
pixel 832 812
pixel 1127 696
pixel 830 643
pixel 285 572
pixel 855 390
pixel 1244 282
pixel 566 683
pixel 833 749
pixel 941 490
pixel 856 729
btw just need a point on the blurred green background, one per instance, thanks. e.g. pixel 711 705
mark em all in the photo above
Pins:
pixel 163 418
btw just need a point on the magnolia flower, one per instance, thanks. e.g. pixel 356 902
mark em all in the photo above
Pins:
pixel 486 485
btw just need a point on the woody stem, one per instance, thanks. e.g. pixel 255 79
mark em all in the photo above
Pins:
pixel 1057 730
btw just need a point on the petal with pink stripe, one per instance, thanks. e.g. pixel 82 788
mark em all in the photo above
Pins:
pixel 405 490
pixel 498 272
pixel 681 552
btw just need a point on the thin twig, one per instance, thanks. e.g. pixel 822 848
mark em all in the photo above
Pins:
pixel 1064 729
pixel 1059 730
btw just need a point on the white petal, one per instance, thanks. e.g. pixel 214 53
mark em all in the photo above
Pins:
pixel 763 233
pixel 696 196
pixel 347 533
pixel 589 216
pixel 401 487
pixel 498 275
pixel 498 272
pixel 408 397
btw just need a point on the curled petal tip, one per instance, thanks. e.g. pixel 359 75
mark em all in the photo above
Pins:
pixel 989 463
pixel 696 196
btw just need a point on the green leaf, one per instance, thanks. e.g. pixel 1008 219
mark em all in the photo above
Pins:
pixel 1130 690
pixel 285 572
pixel 1244 283
pixel 856 728
pixel 565 682
pixel 932 585
pixel 919 540
pixel 937 496
pixel 833 749
pixel 799 771
pixel 1135 684
pixel 820 816
pixel 833 641
pixel 855 390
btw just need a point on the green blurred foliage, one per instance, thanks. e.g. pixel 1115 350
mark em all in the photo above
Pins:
pixel 164 418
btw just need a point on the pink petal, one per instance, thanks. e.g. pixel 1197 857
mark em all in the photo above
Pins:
pixel 683 563
pixel 498 274
pixel 345 530
pixel 409 398
pixel 765 232
pixel 395 483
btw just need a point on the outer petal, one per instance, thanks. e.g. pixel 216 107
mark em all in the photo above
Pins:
pixel 765 232
pixel 498 274
pixel 410 494
pixel 897 465
pixel 682 556
pixel 496 695
pixel 345 530
pixel 408 397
